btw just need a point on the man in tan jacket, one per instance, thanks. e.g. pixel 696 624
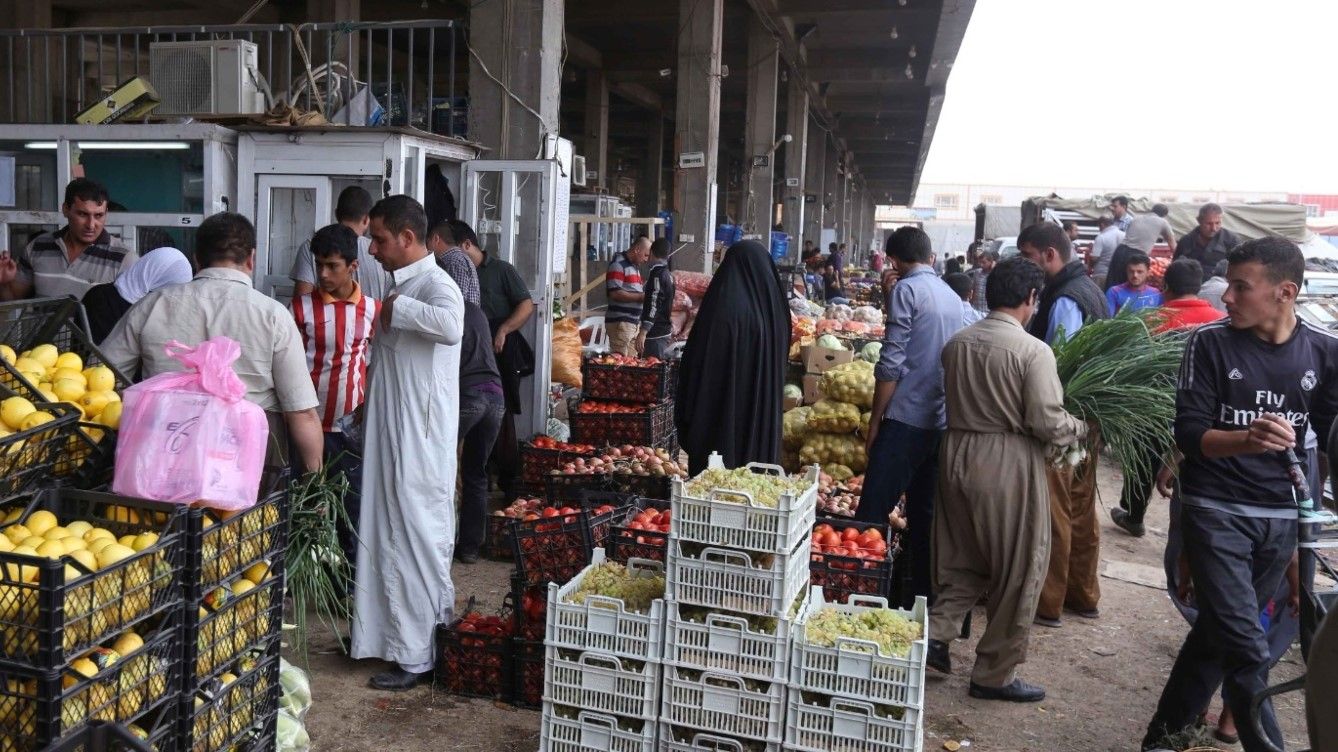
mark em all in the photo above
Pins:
pixel 991 530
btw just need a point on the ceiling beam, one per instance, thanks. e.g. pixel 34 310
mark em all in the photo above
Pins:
pixel 582 54
pixel 639 95
pixel 875 103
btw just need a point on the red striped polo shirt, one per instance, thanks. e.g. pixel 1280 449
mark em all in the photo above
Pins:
pixel 336 335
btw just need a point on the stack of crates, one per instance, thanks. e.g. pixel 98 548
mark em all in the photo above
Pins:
pixel 737 572
pixel 602 668
pixel 233 583
pixel 94 635
pixel 853 695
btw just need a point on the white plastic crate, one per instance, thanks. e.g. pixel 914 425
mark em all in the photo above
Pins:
pixel 726 642
pixel 733 519
pixel 850 726
pixel 593 732
pixel 723 702
pixel 605 624
pixel 699 741
pixel 602 682
pixel 728 579
pixel 858 669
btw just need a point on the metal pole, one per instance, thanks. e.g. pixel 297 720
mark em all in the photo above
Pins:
pixel 13 81
pixel 117 82
pixel 431 76
pixel 450 129
pixel 349 38
pixel 311 90
pixel 371 82
pixel 409 114
pixel 390 76
pixel 28 69
pixel 46 75
pixel 79 100
pixel 269 61
pixel 329 71
pixel 65 77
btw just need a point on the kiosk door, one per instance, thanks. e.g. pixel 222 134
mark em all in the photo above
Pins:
pixel 289 210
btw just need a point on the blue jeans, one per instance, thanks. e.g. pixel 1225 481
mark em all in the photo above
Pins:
pixel 904 460
pixel 480 420
pixel 1237 564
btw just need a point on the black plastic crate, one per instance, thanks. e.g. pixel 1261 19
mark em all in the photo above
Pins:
pixel 472 663
pixel 569 490
pixel 47 620
pixel 35 458
pixel 552 549
pixel 224 626
pixel 44 707
pixel 221 545
pixel 537 463
pixel 105 736
pixel 629 383
pixel 628 543
pixel 529 608
pixel 236 712
pixel 842 576
pixel 643 486
pixel 527 673
pixel 497 542
pixel 601 525
pixel 653 426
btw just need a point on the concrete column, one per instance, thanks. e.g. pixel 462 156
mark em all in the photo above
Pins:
pixel 652 169
pixel 796 157
pixel 839 197
pixel 815 176
pixel 596 147
pixel 760 130
pixel 697 130
pixel 339 10
pixel 520 43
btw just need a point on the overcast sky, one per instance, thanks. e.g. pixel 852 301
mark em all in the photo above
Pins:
pixel 1207 94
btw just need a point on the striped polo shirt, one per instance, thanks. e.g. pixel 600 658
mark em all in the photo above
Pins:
pixel 45 264
pixel 623 275
pixel 336 335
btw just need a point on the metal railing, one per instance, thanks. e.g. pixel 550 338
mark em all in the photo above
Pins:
pixel 52 74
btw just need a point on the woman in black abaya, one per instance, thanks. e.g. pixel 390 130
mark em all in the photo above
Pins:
pixel 732 376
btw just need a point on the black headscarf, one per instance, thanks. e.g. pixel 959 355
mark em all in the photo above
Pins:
pixel 732 377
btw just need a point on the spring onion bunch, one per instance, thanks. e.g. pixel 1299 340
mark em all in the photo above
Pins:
pixel 1121 377
pixel 320 576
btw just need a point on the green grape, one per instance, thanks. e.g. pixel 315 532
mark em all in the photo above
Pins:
pixel 612 580
pixel 766 489
pixel 889 630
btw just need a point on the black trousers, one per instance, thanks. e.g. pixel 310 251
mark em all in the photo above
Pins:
pixel 1237 564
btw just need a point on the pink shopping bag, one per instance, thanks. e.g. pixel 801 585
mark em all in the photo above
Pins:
pixel 191 436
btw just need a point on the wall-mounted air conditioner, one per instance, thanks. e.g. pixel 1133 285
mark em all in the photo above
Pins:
pixel 206 77
pixel 578 170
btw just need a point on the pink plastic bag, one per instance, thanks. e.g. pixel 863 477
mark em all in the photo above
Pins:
pixel 190 436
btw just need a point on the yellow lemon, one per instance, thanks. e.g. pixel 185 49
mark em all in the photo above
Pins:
pixel 95 545
pixel 257 572
pixel 13 515
pixel 46 354
pixel 143 541
pixel 127 643
pixel 113 553
pixel 85 667
pixel 36 419
pixel 79 527
pixel 56 532
pixel 6 544
pixel 52 549
pixel 68 390
pixel 242 586
pixel 99 532
pixel 16 533
pixel 99 379
pixel 69 373
pixel 111 415
pixel 14 411
pixel 41 521
pixel 70 360
pixel 34 542
pixel 92 403
pixel 84 557
pixel 7 353
pixel 73 543
pixel 28 364
pixel 47 394
pixel 127 540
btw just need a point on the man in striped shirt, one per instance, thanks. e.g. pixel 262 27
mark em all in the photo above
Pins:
pixel 336 322
pixel 626 293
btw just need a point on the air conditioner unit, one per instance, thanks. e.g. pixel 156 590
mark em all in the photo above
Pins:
pixel 206 77
pixel 578 170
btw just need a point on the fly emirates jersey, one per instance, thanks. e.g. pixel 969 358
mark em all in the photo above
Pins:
pixel 1227 379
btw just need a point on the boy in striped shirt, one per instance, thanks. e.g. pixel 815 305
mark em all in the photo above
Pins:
pixel 336 322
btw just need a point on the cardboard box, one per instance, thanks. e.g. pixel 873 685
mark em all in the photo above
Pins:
pixel 812 392
pixel 132 100
pixel 819 360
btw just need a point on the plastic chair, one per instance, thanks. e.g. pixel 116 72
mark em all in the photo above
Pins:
pixel 598 341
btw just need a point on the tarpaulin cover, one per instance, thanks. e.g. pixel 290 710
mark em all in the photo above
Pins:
pixel 1249 221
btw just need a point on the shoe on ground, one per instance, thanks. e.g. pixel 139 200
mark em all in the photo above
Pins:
pixel 1018 691
pixel 1045 621
pixel 399 680
pixel 938 657
pixel 1086 613
pixel 467 558
pixel 1122 521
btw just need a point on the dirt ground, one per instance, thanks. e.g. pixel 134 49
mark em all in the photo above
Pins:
pixel 1103 677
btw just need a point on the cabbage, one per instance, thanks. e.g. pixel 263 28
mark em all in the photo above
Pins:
pixel 792 391
pixel 292 735
pixel 830 342
pixel 296 697
pixel 871 351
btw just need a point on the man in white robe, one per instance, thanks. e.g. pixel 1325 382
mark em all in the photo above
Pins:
pixel 407 525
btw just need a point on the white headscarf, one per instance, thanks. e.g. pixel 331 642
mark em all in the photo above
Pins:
pixel 157 268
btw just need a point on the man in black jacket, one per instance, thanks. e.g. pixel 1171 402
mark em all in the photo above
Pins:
pixel 658 303
pixel 1070 300
pixel 1210 244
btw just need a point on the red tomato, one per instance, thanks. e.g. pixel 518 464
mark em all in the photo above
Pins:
pixel 636 525
pixel 831 540
pixel 566 510
pixel 852 546
pixel 823 528
pixel 849 533
pixel 874 533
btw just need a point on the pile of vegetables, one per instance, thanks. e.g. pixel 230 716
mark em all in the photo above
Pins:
pixel 830 342
pixel 852 383
pixel 889 630
pixel 636 589
pixel 1119 376
pixel 830 416
pixel 765 488
pixel 319 575
pixel 629 459
pixel 871 352
pixel 794 427
pixel 293 706
pixel 834 448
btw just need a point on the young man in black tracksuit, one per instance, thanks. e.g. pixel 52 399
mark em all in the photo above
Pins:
pixel 656 328
pixel 1249 387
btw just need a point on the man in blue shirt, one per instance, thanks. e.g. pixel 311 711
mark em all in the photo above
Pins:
pixel 1134 292
pixel 1070 299
pixel 908 401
